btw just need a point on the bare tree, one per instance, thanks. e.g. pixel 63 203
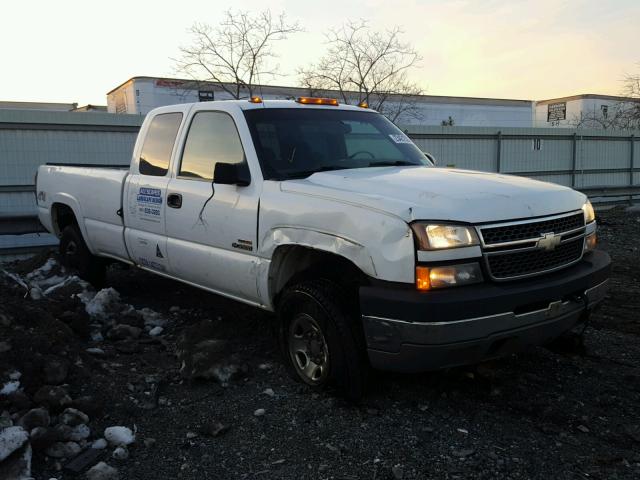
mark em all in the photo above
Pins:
pixel 364 65
pixel 622 115
pixel 237 53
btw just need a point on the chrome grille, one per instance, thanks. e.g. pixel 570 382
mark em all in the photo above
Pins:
pixel 521 231
pixel 526 248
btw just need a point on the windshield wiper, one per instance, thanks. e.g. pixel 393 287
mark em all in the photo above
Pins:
pixel 394 163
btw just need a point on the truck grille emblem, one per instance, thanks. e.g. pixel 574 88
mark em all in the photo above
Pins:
pixel 549 241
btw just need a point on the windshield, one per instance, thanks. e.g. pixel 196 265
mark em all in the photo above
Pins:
pixel 298 142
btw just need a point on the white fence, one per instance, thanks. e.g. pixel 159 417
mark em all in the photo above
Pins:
pixel 599 163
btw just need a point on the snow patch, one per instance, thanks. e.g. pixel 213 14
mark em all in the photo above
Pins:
pixel 10 387
pixel 103 303
pixel 11 439
pixel 119 436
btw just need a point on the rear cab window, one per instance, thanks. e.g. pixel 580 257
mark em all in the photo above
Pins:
pixel 158 144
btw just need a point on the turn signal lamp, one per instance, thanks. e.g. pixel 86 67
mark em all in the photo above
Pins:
pixel 317 101
pixel 255 99
pixel 423 282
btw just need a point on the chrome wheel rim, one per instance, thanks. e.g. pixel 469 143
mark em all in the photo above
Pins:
pixel 308 349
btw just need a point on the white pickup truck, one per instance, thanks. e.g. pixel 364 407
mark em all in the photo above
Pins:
pixel 330 216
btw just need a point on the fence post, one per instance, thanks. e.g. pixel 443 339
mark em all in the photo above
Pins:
pixel 632 140
pixel 499 150
pixel 574 159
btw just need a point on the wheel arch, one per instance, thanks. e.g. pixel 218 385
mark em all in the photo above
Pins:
pixel 292 263
pixel 65 211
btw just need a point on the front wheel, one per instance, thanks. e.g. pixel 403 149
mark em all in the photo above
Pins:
pixel 320 338
pixel 75 255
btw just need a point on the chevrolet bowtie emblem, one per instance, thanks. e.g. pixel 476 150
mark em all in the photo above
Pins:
pixel 549 241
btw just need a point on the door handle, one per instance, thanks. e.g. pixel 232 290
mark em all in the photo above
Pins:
pixel 174 200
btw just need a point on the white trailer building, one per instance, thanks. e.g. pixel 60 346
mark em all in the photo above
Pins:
pixel 139 95
pixel 587 110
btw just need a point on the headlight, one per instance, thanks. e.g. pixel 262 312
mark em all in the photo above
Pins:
pixel 447 276
pixel 436 237
pixel 589 214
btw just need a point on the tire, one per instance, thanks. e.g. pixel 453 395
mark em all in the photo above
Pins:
pixel 321 338
pixel 75 255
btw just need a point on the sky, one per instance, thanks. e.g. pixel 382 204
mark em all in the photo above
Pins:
pixel 76 51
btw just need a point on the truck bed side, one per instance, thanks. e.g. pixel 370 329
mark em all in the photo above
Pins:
pixel 95 197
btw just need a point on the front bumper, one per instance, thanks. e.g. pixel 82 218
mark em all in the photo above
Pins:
pixel 413 331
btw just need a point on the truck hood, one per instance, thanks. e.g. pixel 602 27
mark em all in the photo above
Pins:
pixel 424 193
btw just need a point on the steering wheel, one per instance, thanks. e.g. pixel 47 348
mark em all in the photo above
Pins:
pixel 353 155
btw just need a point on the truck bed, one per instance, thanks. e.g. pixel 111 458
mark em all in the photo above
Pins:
pixel 95 194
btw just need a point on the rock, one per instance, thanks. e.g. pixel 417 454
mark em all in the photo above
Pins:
pixel 99 444
pixel 120 453
pixel 123 332
pixel 5 347
pixel 89 405
pixel 42 438
pixel 79 433
pixel 149 442
pixel 152 318
pixel 213 429
pixel 397 472
pixel 18 465
pixel 191 435
pixel 119 436
pixel 5 420
pixel 64 450
pixel 54 397
pixel 55 371
pixel 259 412
pixel 128 346
pixel 12 439
pixel 583 429
pixel 466 452
pixel 269 392
pixel 633 432
pixel 73 417
pixel 95 351
pixel 102 471
pixel 5 320
pixel 155 331
pixel 37 417
pixel 17 401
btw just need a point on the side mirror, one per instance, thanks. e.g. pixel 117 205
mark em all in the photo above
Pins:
pixel 231 174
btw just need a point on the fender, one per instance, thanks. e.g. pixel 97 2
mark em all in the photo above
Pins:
pixel 74 205
pixel 331 243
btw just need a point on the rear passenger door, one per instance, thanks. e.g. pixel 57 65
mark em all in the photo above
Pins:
pixel 212 233
pixel 146 193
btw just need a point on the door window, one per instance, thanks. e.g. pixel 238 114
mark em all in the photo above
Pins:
pixel 158 144
pixel 212 138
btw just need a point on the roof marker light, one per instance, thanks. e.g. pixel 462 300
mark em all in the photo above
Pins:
pixel 363 104
pixel 255 99
pixel 317 101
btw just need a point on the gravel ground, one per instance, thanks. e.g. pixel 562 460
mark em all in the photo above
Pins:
pixel 563 414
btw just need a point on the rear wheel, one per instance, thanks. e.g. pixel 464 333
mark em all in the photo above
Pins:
pixel 321 339
pixel 75 255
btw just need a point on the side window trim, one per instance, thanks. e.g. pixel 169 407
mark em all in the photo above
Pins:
pixel 185 139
